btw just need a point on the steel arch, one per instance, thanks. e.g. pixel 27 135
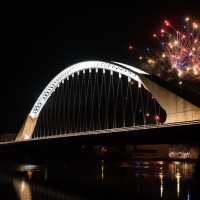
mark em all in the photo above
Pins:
pixel 121 68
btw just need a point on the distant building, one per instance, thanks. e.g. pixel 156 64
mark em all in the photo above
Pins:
pixel 8 137
pixel 190 151
pixel 148 151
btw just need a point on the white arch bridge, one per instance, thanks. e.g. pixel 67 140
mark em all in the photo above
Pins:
pixel 91 90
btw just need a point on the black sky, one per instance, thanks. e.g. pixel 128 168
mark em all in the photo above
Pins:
pixel 39 39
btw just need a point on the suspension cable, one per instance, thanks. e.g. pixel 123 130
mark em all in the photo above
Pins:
pixel 86 99
pixel 92 102
pixel 99 102
pixel 132 108
pixel 54 107
pixel 59 102
pixel 50 115
pixel 74 108
pixel 117 98
pixel 122 103
pixel 64 107
pixel 79 111
pixel 69 107
pixel 114 107
pixel 146 108
pixel 127 89
pixel 136 104
pixel 155 110
pixel 142 105
pixel 107 102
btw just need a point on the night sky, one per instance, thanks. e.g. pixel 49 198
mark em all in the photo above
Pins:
pixel 38 40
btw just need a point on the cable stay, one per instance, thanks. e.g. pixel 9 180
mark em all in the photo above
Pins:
pixel 92 100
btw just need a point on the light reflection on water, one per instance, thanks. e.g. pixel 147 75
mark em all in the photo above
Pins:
pixel 102 169
pixel 152 179
pixel 22 189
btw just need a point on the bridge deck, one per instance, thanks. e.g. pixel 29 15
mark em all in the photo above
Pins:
pixel 114 130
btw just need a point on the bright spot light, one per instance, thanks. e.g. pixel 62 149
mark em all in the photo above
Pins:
pixel 140 58
pixel 156 117
pixel 151 61
pixel 130 47
pixel 167 23
pixel 26 137
pixel 147 114
pixel 187 19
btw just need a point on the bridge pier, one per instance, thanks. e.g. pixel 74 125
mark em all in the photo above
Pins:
pixel 27 129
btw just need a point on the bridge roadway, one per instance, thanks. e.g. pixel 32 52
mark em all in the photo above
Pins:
pixel 170 133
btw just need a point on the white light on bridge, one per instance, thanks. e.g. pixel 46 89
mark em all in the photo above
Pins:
pixel 26 137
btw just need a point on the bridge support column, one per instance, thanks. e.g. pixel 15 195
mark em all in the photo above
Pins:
pixel 27 129
pixel 177 108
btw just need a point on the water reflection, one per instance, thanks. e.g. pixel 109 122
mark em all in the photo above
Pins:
pixel 188 196
pixel 22 189
pixel 25 189
pixel 164 170
pixel 181 170
pixel 178 176
pixel 185 169
pixel 45 172
pixel 102 169
pixel 27 167
pixel 161 183
pixel 29 173
pixel 153 179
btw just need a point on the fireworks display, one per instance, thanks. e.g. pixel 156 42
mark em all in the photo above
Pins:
pixel 179 54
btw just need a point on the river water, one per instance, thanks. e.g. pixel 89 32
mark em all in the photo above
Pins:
pixel 80 180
